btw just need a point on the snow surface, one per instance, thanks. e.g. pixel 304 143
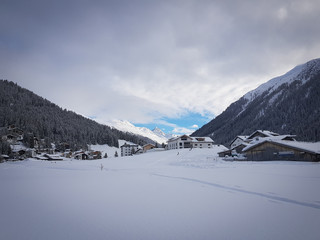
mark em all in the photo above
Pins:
pixel 157 135
pixel 107 149
pixel 176 194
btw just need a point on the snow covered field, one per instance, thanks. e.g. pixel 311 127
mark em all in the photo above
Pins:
pixel 159 195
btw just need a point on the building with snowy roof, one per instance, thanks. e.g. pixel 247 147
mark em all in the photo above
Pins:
pixel 186 141
pixel 238 140
pixel 241 142
pixel 129 149
pixel 269 149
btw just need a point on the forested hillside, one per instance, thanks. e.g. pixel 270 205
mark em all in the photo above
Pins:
pixel 45 120
pixel 289 104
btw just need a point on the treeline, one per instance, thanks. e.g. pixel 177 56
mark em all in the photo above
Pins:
pixel 45 120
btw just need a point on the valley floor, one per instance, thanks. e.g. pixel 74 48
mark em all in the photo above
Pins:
pixel 161 195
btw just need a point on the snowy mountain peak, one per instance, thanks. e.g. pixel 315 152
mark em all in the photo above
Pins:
pixel 158 132
pixel 301 72
pixel 156 135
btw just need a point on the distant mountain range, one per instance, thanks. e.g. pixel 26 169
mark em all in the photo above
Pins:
pixel 286 104
pixel 156 134
pixel 40 118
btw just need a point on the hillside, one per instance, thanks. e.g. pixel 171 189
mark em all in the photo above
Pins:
pixel 45 120
pixel 286 104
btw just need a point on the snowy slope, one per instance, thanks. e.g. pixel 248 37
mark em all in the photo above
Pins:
pixel 285 104
pixel 126 126
pixel 296 73
pixel 160 195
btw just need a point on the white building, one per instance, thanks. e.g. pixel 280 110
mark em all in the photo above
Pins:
pixel 128 149
pixel 186 141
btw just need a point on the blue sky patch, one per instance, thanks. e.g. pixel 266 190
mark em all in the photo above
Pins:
pixel 187 123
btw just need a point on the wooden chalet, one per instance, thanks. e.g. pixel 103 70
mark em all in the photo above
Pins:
pixel 279 150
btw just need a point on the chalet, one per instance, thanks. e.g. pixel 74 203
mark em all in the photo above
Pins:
pixel 14 130
pixel 242 142
pixel 147 147
pixel 95 155
pixel 238 141
pixel 129 149
pixel 81 155
pixel 274 149
pixel 186 141
pixel 233 151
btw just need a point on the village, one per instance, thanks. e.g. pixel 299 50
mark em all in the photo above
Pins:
pixel 261 145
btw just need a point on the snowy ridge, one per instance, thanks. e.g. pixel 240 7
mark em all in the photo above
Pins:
pixel 297 73
pixel 157 135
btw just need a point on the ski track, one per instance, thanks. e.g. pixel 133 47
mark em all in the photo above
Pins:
pixel 271 197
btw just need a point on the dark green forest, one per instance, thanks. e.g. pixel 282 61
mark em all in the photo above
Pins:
pixel 40 118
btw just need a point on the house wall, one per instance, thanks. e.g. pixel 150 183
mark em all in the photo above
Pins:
pixel 201 145
pixel 148 147
pixel 127 150
pixel 225 153
pixel 179 143
pixel 273 152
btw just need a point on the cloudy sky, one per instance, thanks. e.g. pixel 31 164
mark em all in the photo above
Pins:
pixel 174 64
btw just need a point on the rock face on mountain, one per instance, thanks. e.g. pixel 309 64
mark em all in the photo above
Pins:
pixel 286 104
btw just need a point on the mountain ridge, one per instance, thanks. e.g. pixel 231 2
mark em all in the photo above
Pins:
pixel 289 103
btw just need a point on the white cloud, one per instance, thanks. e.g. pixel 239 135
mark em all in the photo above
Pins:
pixel 142 62
pixel 182 130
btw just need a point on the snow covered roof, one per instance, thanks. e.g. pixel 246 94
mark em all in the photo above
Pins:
pixel 193 139
pixel 243 138
pixel 18 147
pixel 148 144
pixel 266 133
pixel 201 139
pixel 176 138
pixel 129 145
pixel 312 147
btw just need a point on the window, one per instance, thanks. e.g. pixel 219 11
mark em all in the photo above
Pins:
pixel 200 139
